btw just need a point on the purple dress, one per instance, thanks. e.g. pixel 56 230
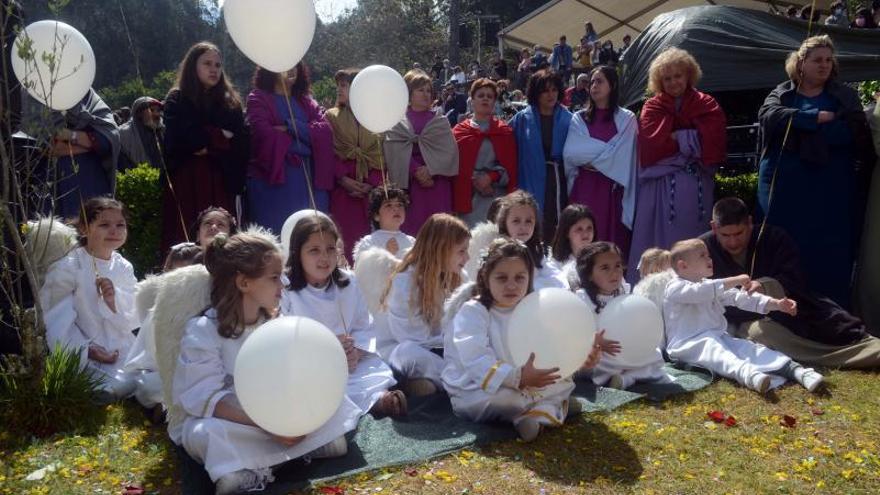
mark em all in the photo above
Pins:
pixel 599 193
pixel 424 201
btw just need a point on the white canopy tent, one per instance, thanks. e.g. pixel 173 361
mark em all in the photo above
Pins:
pixel 612 19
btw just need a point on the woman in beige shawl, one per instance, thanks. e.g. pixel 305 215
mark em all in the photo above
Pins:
pixel 422 155
pixel 357 165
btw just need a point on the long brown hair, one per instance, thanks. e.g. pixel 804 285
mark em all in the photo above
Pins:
pixel 246 254
pixel 296 274
pixel 536 242
pixel 222 95
pixel 265 79
pixel 433 282
pixel 586 261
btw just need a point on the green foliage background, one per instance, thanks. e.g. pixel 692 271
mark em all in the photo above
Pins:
pixel 139 189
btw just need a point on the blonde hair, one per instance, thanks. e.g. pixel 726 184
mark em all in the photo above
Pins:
pixel 247 254
pixel 669 59
pixel 432 281
pixel 415 79
pixel 681 249
pixel 795 59
pixel 654 260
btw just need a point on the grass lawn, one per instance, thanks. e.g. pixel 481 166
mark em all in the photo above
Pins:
pixel 794 442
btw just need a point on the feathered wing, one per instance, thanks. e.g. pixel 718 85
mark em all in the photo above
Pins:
pixel 463 294
pixel 481 236
pixel 372 269
pixel 654 287
pixel 145 295
pixel 181 294
pixel 47 240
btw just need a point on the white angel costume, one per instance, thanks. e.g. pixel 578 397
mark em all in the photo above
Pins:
pixel 696 331
pixel 481 379
pixel 549 275
pixel 404 339
pixel 76 315
pixel 344 310
pixel 566 271
pixel 141 359
pixel 202 378
pixel 380 238
pixel 609 366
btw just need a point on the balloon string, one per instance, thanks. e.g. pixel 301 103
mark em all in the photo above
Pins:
pixel 171 187
pixel 85 220
pixel 788 125
pixel 296 137
pixel 382 170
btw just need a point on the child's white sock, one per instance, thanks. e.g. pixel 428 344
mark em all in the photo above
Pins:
pixel 759 382
pixel 809 378
pixel 528 429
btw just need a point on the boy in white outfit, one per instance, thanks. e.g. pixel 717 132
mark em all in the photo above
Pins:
pixel 696 328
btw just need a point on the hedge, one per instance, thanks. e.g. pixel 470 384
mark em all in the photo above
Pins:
pixel 744 187
pixel 139 189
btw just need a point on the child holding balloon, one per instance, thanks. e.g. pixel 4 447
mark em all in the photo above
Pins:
pixel 88 296
pixel 697 330
pixel 576 230
pixel 410 334
pixel 318 289
pixel 246 288
pixel 600 271
pixel 480 377
pixel 518 219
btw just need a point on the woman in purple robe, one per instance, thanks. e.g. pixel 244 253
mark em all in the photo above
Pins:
pixel 422 155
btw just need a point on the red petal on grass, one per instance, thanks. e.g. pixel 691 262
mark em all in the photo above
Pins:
pixel 716 416
pixel 411 471
pixel 817 412
pixel 332 490
pixel 133 490
pixel 730 421
pixel 788 421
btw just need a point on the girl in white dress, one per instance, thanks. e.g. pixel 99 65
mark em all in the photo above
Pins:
pixel 519 219
pixel 480 377
pixel 387 213
pixel 316 288
pixel 696 329
pixel 410 334
pixel 88 297
pixel 245 291
pixel 576 230
pixel 141 359
pixel 600 272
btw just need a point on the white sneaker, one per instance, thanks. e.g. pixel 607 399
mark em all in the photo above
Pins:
pixel 244 480
pixel 336 448
pixel 528 429
pixel 809 378
pixel 759 382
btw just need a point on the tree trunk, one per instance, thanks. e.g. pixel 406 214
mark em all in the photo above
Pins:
pixel 454 15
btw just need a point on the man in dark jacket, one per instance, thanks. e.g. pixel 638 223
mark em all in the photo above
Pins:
pixel 822 333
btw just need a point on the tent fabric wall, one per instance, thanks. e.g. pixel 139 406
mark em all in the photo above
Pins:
pixel 741 49
pixel 612 19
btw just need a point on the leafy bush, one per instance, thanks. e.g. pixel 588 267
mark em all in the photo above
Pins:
pixel 324 91
pixel 124 94
pixel 744 187
pixel 139 189
pixel 867 90
pixel 63 400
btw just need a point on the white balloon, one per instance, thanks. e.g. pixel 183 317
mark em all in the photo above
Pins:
pixel 554 324
pixel 62 86
pixel 637 324
pixel 290 375
pixel 275 34
pixel 378 98
pixel 290 223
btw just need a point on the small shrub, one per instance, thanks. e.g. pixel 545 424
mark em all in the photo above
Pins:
pixel 744 187
pixel 63 400
pixel 139 189
pixel 867 90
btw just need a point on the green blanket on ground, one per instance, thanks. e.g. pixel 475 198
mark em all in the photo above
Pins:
pixel 432 430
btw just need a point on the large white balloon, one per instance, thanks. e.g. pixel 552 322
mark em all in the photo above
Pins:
pixel 378 98
pixel 554 324
pixel 275 34
pixel 58 66
pixel 290 375
pixel 637 324
pixel 290 223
